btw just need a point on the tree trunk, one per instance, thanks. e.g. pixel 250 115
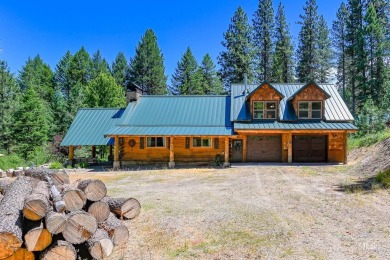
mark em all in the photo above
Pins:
pixel 100 245
pixel 21 254
pixel 58 177
pixel 37 204
pixel 55 222
pixel 80 227
pixel 95 190
pixel 36 238
pixel 74 198
pixel 11 216
pixel 124 208
pixel 117 231
pixel 100 210
pixel 59 250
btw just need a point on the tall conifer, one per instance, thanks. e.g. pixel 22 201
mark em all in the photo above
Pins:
pixel 119 69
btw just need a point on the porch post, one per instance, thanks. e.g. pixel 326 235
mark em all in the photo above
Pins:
pixel 226 163
pixel 289 141
pixel 71 155
pixel 171 153
pixel 244 147
pixel 116 164
pixel 93 151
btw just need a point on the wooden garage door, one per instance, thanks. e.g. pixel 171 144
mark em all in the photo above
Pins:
pixel 263 148
pixel 309 148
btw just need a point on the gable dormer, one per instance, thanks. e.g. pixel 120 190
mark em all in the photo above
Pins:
pixel 264 102
pixel 309 102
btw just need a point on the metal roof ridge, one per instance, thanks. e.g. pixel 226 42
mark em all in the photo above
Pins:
pixel 101 108
pixel 181 96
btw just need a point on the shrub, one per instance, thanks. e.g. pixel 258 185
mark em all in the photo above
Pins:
pixel 56 165
pixel 11 161
pixel 368 139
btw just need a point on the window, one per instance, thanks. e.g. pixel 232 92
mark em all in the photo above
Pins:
pixel 310 110
pixel 156 142
pixel 264 110
pixel 201 142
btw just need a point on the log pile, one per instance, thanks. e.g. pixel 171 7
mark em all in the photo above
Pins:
pixel 44 216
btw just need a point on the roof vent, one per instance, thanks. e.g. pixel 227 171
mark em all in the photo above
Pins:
pixel 246 90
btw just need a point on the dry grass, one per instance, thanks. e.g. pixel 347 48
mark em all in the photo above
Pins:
pixel 246 213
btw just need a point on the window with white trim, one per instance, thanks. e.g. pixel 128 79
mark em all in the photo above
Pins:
pixel 264 110
pixel 310 109
pixel 158 141
pixel 201 142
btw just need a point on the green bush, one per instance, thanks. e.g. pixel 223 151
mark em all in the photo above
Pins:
pixel 383 178
pixel 39 156
pixel 11 161
pixel 368 139
pixel 56 165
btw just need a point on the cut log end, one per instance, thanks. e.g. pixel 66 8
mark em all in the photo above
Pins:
pixel 127 208
pixel 55 222
pixel 116 230
pixel 35 209
pixel 100 245
pixel 95 190
pixel 9 244
pixel 37 239
pixel 100 210
pixel 80 227
pixel 60 250
pixel 74 199
pixel 21 254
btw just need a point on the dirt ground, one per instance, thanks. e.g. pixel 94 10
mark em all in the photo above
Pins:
pixel 264 212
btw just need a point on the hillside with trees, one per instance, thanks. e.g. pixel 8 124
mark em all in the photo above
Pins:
pixel 38 104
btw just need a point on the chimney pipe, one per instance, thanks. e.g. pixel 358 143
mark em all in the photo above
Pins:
pixel 246 91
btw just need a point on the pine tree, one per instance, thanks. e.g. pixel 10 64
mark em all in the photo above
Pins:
pixel 283 62
pixel 324 47
pixel 80 68
pixel 357 55
pixel 104 92
pixel 59 111
pixel 31 124
pixel 38 75
pixel 339 32
pixel 99 65
pixel 8 105
pixel 187 79
pixel 307 53
pixel 237 59
pixel 374 48
pixel 263 27
pixel 212 85
pixel 119 69
pixel 147 67
pixel 61 74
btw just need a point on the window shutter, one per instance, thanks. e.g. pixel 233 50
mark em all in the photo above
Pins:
pixel 216 143
pixel 168 140
pixel 188 143
pixel 141 142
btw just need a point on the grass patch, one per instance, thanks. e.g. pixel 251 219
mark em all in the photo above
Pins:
pixel 383 178
pixel 367 140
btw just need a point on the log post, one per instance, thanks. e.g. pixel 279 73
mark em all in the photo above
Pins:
pixel 345 147
pixel 93 151
pixel 289 149
pixel 71 155
pixel 226 163
pixel 171 153
pixel 116 164
pixel 244 147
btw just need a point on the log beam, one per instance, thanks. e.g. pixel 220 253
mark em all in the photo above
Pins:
pixel 71 153
pixel 171 153
pixel 346 147
pixel 226 163
pixel 289 149
pixel 244 147
pixel 93 151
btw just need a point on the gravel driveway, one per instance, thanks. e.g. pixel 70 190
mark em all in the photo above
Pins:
pixel 266 212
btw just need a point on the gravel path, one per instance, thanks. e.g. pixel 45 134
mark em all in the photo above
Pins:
pixel 252 213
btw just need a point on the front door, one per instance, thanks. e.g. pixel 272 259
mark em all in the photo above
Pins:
pixel 236 151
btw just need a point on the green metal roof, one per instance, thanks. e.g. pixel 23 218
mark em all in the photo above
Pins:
pixel 335 108
pixel 89 126
pixel 307 125
pixel 170 130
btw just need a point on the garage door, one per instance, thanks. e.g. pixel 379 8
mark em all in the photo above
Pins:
pixel 309 148
pixel 264 148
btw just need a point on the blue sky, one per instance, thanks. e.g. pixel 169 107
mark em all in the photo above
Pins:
pixel 50 28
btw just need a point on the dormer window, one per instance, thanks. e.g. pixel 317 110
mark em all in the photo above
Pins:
pixel 264 110
pixel 310 110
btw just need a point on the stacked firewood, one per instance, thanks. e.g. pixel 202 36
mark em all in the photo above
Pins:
pixel 44 216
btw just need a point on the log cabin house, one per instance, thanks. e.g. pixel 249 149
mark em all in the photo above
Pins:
pixel 255 123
